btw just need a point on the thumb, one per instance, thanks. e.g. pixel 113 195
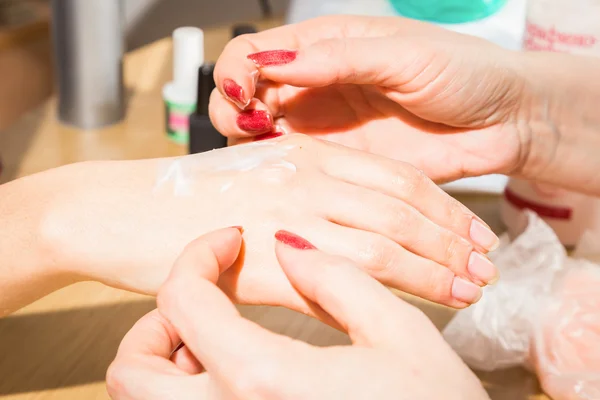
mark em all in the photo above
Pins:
pixel 212 254
pixel 389 62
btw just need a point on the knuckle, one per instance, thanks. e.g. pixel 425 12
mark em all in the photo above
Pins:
pixel 239 42
pixel 258 380
pixel 191 247
pixel 339 58
pixel 198 252
pixel 410 180
pixel 117 378
pixel 457 214
pixel 245 37
pixel 330 48
pixel 168 296
pixel 400 220
pixel 297 140
pixel 436 284
pixel 378 257
pixel 456 250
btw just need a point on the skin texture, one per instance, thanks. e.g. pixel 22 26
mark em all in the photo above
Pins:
pixel 450 104
pixel 397 353
pixel 123 223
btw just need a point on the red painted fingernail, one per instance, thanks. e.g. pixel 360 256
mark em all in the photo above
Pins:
pixel 267 136
pixel 273 57
pixel 254 121
pixel 234 92
pixel 293 240
pixel 239 228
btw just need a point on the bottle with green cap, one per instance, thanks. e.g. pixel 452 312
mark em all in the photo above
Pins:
pixel 447 11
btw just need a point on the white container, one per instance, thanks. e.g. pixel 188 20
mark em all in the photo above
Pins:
pixel 569 27
pixel 569 214
pixel 179 95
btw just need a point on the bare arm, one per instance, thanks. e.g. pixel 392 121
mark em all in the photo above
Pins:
pixel 29 268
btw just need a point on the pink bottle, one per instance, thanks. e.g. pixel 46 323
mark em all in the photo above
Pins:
pixel 569 27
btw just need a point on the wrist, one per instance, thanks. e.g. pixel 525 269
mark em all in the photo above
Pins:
pixel 109 224
pixel 559 120
pixel 54 229
pixel 536 128
pixel 87 224
pixel 32 266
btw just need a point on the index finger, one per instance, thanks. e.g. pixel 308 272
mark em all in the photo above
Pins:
pixel 236 76
pixel 368 311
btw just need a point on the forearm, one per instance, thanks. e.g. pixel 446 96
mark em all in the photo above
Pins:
pixel 29 268
pixel 74 223
pixel 103 221
pixel 564 121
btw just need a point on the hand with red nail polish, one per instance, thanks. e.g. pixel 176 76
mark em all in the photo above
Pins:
pixel 227 357
pixel 448 103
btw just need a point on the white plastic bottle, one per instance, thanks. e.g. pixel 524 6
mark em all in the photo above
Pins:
pixel 569 27
pixel 179 95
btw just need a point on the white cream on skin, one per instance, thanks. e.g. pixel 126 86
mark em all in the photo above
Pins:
pixel 268 159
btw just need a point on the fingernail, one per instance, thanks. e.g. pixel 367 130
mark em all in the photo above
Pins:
pixel 266 136
pixel 234 92
pixel 254 121
pixel 239 228
pixel 465 291
pixel 273 57
pixel 483 236
pixel 293 240
pixel 481 267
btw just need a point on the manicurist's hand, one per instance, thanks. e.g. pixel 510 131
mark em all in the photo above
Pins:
pixel 397 353
pixel 125 223
pixel 451 104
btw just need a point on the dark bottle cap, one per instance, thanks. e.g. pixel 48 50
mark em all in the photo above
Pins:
pixel 206 84
pixel 243 29
pixel 203 135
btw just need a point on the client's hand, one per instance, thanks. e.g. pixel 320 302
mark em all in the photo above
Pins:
pixel 450 104
pixel 397 351
pixel 127 221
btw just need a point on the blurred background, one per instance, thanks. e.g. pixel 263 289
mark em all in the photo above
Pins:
pixel 26 49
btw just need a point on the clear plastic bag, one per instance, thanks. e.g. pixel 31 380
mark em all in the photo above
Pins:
pixel 566 343
pixel 543 314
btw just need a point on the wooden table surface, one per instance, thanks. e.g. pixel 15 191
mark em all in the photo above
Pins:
pixel 60 346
